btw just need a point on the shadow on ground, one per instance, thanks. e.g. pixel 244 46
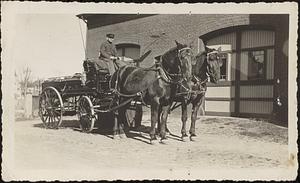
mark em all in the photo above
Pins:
pixel 106 129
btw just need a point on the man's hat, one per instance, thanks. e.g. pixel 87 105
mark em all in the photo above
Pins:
pixel 110 35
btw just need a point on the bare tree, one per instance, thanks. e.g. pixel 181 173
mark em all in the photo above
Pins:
pixel 25 79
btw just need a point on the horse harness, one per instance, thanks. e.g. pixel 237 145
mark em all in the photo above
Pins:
pixel 164 75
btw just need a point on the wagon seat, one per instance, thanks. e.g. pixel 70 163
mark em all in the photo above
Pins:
pixel 94 75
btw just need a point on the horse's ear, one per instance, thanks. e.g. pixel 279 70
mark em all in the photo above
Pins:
pixel 201 46
pixel 157 58
pixel 179 45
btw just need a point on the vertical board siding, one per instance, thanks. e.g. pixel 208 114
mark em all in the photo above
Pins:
pixel 258 91
pixel 233 66
pixel 244 65
pixel 219 106
pixel 220 92
pixel 224 39
pixel 270 64
pixel 259 107
pixel 253 38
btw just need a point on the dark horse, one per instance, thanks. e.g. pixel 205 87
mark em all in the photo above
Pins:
pixel 156 86
pixel 206 65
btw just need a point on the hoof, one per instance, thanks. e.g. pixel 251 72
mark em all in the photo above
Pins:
pixel 193 137
pixel 153 141
pixel 163 139
pixel 184 138
pixel 122 136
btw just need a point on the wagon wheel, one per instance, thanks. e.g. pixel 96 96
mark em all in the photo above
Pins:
pixel 51 108
pixel 86 114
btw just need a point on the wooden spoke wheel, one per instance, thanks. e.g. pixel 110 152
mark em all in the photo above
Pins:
pixel 51 108
pixel 86 114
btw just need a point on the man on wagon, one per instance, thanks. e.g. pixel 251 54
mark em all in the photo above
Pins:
pixel 108 56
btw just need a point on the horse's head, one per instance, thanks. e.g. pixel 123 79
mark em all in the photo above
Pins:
pixel 177 62
pixel 207 64
pixel 213 64
pixel 185 56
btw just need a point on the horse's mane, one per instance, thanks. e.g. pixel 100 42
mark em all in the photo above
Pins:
pixel 170 53
pixel 172 50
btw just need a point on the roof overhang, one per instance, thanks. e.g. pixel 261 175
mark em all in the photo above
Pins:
pixel 97 20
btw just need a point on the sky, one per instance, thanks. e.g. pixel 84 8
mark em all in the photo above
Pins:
pixel 49 44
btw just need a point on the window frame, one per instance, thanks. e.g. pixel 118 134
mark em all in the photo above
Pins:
pixel 264 64
pixel 238 29
pixel 260 48
pixel 123 47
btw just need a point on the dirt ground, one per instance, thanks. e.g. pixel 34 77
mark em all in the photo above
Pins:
pixel 221 143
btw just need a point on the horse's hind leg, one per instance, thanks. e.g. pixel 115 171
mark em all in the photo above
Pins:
pixel 183 119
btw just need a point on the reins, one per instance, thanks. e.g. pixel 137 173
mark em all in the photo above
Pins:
pixel 163 74
pixel 168 75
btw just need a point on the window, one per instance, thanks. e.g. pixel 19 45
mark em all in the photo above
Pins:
pixel 225 58
pixel 128 50
pixel 256 64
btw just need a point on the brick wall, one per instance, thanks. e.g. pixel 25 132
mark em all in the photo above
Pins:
pixel 183 28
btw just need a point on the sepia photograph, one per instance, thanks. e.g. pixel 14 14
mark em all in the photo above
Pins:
pixel 125 91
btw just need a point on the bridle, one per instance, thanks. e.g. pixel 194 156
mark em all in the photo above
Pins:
pixel 170 76
pixel 208 73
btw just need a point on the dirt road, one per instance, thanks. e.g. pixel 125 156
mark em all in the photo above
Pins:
pixel 222 143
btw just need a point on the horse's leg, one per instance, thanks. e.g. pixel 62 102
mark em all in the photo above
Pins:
pixel 158 121
pixel 163 121
pixel 116 127
pixel 183 119
pixel 167 129
pixel 195 110
pixel 154 118
pixel 121 122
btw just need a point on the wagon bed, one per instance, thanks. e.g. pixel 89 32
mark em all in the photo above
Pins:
pixel 85 95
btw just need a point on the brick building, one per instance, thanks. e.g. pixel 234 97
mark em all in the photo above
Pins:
pixel 255 69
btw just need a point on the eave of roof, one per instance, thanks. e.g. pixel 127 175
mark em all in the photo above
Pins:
pixel 95 20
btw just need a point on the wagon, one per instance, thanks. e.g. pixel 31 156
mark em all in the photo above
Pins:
pixel 85 95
